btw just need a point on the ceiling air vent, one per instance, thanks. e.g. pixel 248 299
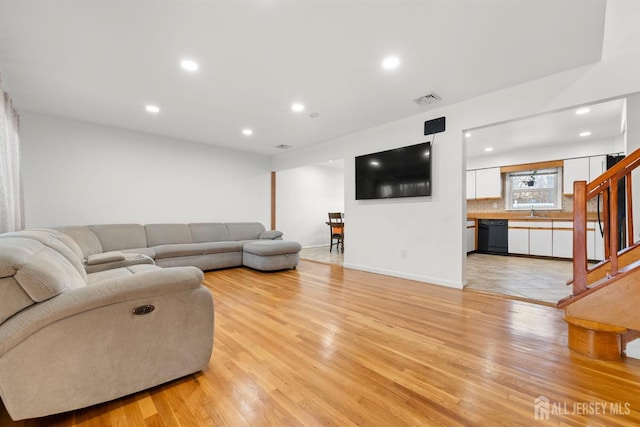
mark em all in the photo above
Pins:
pixel 429 98
pixel 283 146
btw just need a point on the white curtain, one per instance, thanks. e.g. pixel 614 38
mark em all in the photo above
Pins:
pixel 11 200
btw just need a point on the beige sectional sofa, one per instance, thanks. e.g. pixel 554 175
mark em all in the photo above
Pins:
pixel 92 313
pixel 208 246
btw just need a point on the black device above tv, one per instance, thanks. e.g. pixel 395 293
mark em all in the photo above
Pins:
pixel 401 172
pixel 435 126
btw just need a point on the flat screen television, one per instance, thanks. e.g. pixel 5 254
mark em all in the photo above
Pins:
pixel 401 172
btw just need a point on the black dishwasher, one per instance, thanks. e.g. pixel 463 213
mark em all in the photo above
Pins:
pixel 493 236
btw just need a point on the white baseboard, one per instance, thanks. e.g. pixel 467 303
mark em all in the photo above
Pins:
pixel 419 278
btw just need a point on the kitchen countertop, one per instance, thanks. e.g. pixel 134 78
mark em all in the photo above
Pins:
pixel 524 216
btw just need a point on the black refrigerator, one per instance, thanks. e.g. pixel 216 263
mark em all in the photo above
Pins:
pixel 622 205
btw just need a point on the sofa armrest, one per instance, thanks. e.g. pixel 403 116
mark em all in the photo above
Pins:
pixel 108 292
pixel 112 260
pixel 105 257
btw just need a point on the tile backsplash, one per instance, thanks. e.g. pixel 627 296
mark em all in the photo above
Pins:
pixel 487 205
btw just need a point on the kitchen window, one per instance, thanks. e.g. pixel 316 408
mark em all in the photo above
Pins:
pixel 534 189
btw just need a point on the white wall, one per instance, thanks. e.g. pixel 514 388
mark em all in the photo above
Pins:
pixel 80 173
pixel 430 230
pixel 304 197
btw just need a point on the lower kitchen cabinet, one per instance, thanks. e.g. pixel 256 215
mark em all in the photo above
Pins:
pixel 552 238
pixel 563 239
pixel 541 239
pixel 471 236
pixel 519 237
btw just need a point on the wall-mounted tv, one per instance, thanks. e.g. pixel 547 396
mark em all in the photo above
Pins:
pixel 401 172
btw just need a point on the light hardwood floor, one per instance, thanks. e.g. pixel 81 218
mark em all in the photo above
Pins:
pixel 327 346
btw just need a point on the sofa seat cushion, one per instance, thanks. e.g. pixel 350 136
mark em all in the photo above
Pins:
pixel 271 255
pixel 222 247
pixel 272 247
pixel 119 273
pixel 178 250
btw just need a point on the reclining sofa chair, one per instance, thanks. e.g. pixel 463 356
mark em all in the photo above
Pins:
pixel 69 339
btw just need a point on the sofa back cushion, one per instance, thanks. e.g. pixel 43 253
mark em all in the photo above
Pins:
pixel 209 232
pixel 116 237
pixel 167 234
pixel 244 230
pixel 40 271
pixel 58 241
pixel 87 241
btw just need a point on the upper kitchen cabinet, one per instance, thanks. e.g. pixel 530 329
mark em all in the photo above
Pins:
pixel 597 166
pixel 582 169
pixel 574 170
pixel 488 184
pixel 471 185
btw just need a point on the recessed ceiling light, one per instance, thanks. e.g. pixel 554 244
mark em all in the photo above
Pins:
pixel 153 109
pixel 189 65
pixel 586 133
pixel 390 63
pixel 297 107
pixel 247 132
pixel 488 149
pixel 581 111
pixel 467 135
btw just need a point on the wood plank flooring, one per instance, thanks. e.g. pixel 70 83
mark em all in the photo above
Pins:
pixel 327 346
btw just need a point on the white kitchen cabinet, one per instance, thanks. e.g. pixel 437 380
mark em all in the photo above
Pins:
pixel 563 239
pixel 574 170
pixel 488 183
pixel 597 165
pixel 541 238
pixel 471 236
pixel 471 185
pixel 519 237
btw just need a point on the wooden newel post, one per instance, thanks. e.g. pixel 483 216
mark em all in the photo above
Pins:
pixel 579 237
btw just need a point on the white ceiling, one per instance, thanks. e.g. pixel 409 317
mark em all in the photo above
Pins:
pixel 604 120
pixel 101 61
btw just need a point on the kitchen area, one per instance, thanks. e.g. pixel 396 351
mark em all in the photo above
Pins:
pixel 519 194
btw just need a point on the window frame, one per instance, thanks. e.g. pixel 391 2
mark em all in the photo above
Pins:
pixel 558 188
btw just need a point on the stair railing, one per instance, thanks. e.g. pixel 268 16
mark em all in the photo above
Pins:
pixel 605 186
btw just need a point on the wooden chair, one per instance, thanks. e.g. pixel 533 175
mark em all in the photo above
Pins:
pixel 336 227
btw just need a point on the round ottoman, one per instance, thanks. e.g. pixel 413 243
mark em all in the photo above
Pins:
pixel 270 255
